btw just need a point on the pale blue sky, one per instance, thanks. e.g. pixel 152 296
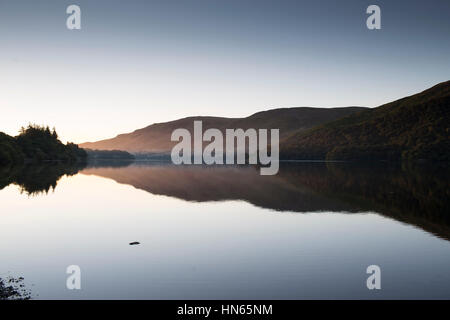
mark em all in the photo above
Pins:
pixel 139 62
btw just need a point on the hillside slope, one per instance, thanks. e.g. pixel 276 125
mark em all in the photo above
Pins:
pixel 415 127
pixel 156 137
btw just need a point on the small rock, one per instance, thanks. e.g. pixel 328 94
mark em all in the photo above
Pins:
pixel 134 243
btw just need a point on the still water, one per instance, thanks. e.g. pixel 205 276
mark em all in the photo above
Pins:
pixel 309 232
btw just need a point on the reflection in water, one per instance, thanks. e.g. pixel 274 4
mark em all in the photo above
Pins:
pixel 415 195
pixel 35 180
pixel 204 246
pixel 40 179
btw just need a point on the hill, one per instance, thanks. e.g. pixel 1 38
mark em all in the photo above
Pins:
pixel 415 127
pixel 108 155
pixel 156 137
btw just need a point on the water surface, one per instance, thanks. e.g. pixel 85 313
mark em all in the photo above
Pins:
pixel 226 232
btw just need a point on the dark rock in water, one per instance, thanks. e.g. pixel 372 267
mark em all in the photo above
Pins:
pixel 134 243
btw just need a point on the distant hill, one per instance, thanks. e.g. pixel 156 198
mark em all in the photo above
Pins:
pixel 415 127
pixel 156 137
pixel 108 155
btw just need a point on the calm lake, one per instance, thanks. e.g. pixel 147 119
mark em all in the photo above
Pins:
pixel 226 232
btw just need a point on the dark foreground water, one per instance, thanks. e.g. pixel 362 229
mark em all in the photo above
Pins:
pixel 309 232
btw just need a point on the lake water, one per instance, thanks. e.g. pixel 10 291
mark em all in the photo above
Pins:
pixel 223 232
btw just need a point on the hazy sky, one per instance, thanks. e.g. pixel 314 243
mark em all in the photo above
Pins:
pixel 134 63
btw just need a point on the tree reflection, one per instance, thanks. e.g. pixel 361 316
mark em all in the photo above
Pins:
pixel 36 179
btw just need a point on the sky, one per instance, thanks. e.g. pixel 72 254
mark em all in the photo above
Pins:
pixel 134 63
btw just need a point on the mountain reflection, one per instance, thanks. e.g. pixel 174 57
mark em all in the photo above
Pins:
pixel 415 195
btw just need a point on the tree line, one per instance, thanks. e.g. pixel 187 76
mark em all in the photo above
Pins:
pixel 38 144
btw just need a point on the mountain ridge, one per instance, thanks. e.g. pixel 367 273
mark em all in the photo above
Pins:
pixel 414 127
pixel 156 137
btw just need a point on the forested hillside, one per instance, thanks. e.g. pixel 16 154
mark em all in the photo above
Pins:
pixel 415 127
pixel 37 144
